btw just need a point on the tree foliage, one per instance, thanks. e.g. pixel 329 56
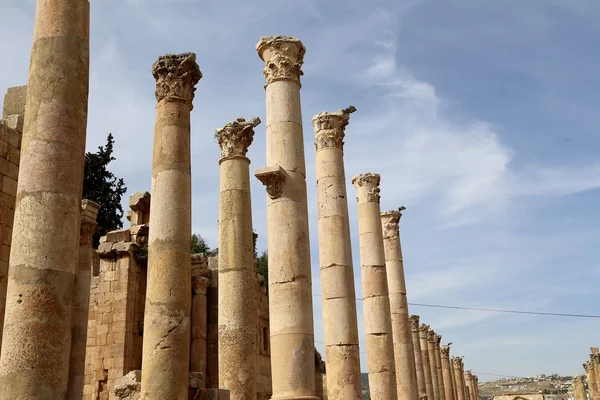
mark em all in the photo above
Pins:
pixel 262 267
pixel 199 245
pixel 103 187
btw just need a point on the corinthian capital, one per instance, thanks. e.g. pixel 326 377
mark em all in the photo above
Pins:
pixel 438 340
pixel 595 358
pixel 330 128
pixel 199 285
pixel 283 56
pixel 588 366
pixel 414 322
pixel 273 179
pixel 468 375
pixel 176 76
pixel 89 214
pixel 431 335
pixel 235 137
pixel 445 351
pixel 423 331
pixel 390 223
pixel 457 362
pixel 367 186
pixel 579 379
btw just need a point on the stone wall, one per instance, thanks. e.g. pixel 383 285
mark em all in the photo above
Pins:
pixel 518 396
pixel 11 130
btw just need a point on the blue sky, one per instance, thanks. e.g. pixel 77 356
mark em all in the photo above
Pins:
pixel 480 116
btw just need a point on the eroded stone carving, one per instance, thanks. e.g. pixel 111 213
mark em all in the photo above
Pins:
pixel 595 358
pixel 445 351
pixel 283 56
pixel 431 335
pixel 235 137
pixel 372 181
pixel 200 284
pixel 176 76
pixel 588 366
pixel 414 322
pixel 89 214
pixel 423 331
pixel 330 128
pixel 273 179
pixel 438 340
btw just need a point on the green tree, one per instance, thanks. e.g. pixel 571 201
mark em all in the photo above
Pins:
pixel 262 267
pixel 103 187
pixel 199 246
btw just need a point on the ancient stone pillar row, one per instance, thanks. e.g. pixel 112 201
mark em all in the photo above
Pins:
pixel 34 362
pixel 290 281
pixel 166 348
pixel 338 294
pixel 406 375
pixel 588 366
pixel 435 383
pixel 81 299
pixel 420 371
pixel 438 365
pixel 423 334
pixel 579 387
pixel 459 377
pixel 376 303
pixel 199 317
pixel 237 276
pixel 446 372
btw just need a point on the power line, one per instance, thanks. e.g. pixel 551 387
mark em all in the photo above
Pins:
pixel 497 310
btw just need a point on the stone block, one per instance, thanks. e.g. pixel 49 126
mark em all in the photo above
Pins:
pixel 214 394
pixel 9 186
pixel 9 169
pixel 14 155
pixel 14 101
pixel 122 235
pixel 14 129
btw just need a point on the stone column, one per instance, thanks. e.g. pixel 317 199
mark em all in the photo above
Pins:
pixel 376 303
pixel 406 376
pixel 470 384
pixel 290 280
pixel 438 365
pixel 45 246
pixel 166 349
pixel 435 383
pixel 199 317
pixel 458 376
pixel 423 334
pixel 335 255
pixel 588 366
pixel 595 359
pixel 476 386
pixel 579 387
pixel 454 384
pixel 237 277
pixel 446 372
pixel 420 372
pixel 464 381
pixel 81 299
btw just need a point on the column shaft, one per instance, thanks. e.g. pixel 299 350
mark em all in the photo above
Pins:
pixel 454 384
pixel 290 282
pixel 420 372
pixel 446 372
pixel 166 348
pixel 81 299
pixel 591 379
pixel 199 317
pixel 376 303
pixel 459 377
pixel 438 365
pixel 595 359
pixel 406 375
pixel 470 384
pixel 423 332
pixel 34 362
pixel 579 387
pixel 338 294
pixel 435 383
pixel 238 320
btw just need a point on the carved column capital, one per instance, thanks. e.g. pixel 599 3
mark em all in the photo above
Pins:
pixel 595 358
pixel 89 215
pixel 438 340
pixel 390 221
pixel 445 351
pixel 199 285
pixel 367 185
pixel 423 331
pixel 330 129
pixel 431 335
pixel 457 362
pixel 176 76
pixel 468 375
pixel 235 137
pixel 579 379
pixel 283 56
pixel 588 366
pixel 273 179
pixel 414 323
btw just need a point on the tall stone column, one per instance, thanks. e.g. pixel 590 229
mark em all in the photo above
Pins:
pixel 595 359
pixel 34 362
pixel 420 371
pixel 423 335
pixel 237 276
pixel 435 383
pixel 464 381
pixel 290 281
pixel 166 349
pixel 446 372
pixel 438 365
pixel 199 317
pixel 454 384
pixel 338 295
pixel 579 387
pixel 376 303
pixel 406 375
pixel 470 384
pixel 459 377
pixel 588 366
pixel 81 299
pixel 476 386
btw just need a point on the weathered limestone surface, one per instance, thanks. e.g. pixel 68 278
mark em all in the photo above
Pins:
pixel 420 371
pixel 454 382
pixel 458 375
pixel 34 362
pixel 470 385
pixel 199 316
pixel 595 359
pixel 438 365
pixel 376 304
pixel 340 323
pixel 579 387
pixel 290 283
pixel 406 375
pixel 435 383
pixel 81 299
pixel 11 130
pixel 423 334
pixel 588 366
pixel 237 303
pixel 166 351
pixel 447 372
